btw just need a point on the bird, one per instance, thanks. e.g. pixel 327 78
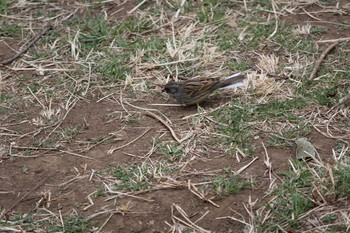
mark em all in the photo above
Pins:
pixel 193 91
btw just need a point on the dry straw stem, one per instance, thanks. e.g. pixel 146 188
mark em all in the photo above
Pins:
pixel 334 40
pixel 91 202
pixel 196 192
pixel 245 167
pixel 319 61
pixel 75 154
pixel 153 115
pixel 235 219
pixel 329 123
pixel 147 109
pixel 330 135
pixel 111 151
pixel 268 164
pixel 104 224
pixel 27 45
pixel 51 149
pixel 102 141
pixel 119 194
pixel 309 14
pixel 69 108
pixel 102 213
pixel 203 113
pixel 276 20
pixel 136 7
pixel 187 222
pixel 10 229
pixel 69 182
pixel 343 102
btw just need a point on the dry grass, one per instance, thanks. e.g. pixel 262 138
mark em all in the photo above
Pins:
pixel 124 63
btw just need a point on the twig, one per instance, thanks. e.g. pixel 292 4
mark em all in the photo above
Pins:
pixel 111 151
pixel 245 167
pixel 311 16
pixel 168 105
pixel 344 137
pixel 9 229
pixel 268 164
pixel 127 195
pixel 196 192
pixel 27 46
pixel 234 219
pixel 179 10
pixel 151 114
pixel 203 113
pixel 136 7
pixel 100 142
pixel 64 117
pixel 276 20
pixel 75 154
pixel 187 221
pixel 104 224
pixel 51 149
pixel 345 101
pixel 175 62
pixel 334 40
pixel 147 109
pixel 31 92
pixel 34 148
pixel 319 61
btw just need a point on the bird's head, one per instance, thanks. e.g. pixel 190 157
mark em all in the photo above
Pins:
pixel 171 88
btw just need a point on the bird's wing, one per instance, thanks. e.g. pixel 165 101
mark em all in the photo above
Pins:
pixel 200 87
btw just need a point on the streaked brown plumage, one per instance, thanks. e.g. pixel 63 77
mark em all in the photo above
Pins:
pixel 194 91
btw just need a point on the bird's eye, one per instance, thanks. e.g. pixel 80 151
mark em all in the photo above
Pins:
pixel 172 90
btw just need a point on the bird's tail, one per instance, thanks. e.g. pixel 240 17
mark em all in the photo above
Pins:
pixel 233 81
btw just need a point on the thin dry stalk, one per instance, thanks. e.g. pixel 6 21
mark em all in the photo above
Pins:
pixel 187 222
pixel 104 224
pixel 203 113
pixel 111 151
pixel 27 45
pixel 343 102
pixel 64 117
pixel 136 7
pixel 102 141
pixel 91 202
pixel 76 154
pixel 196 192
pixel 245 167
pixel 151 114
pixel 109 190
pixel 68 182
pixel 268 164
pixel 309 14
pixel 234 219
pixel 50 149
pixel 334 40
pixel 6 229
pixel 319 61
pixel 61 218
pixel 148 109
pixel 276 19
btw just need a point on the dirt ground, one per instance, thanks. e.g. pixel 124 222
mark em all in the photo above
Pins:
pixel 52 171
pixel 69 179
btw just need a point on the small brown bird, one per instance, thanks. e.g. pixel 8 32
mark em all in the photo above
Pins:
pixel 189 92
